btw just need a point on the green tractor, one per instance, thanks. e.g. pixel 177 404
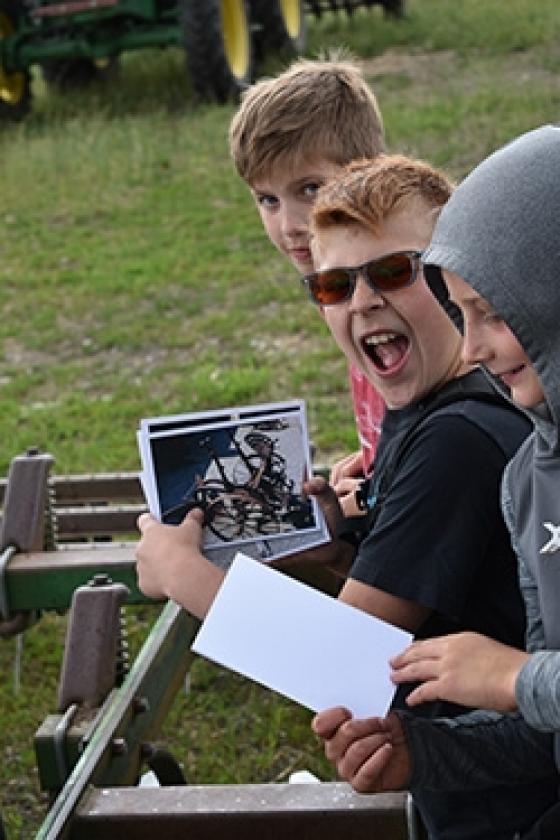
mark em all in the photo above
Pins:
pixel 75 41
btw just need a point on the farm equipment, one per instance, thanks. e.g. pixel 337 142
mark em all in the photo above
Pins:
pixel 75 41
pixel 93 751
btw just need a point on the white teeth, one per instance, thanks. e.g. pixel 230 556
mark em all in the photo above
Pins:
pixel 380 338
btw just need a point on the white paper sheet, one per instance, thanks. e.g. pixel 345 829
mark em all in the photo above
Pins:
pixel 300 642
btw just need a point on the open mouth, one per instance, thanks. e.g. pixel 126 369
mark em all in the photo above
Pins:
pixel 387 351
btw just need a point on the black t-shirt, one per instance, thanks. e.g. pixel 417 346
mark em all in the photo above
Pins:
pixel 440 540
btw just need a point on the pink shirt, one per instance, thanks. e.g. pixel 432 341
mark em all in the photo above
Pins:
pixel 369 409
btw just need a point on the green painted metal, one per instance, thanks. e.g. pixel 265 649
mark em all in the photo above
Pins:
pixel 47 580
pixel 132 715
pixel 94 33
pixel 138 38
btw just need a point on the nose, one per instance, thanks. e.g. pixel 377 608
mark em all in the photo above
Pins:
pixel 364 297
pixel 475 349
pixel 294 220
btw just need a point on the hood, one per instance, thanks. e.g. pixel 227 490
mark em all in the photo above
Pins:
pixel 500 231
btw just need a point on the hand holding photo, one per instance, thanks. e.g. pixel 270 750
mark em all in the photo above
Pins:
pixel 300 642
pixel 245 468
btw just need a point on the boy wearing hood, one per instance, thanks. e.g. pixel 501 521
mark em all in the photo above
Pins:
pixel 496 248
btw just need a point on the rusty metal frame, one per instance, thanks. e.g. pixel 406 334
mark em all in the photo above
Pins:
pixel 93 760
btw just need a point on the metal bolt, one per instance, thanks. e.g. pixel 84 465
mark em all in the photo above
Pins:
pixel 140 705
pixel 119 746
pixel 101 579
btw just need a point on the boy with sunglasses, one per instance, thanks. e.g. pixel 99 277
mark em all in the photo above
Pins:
pixel 436 552
pixel 435 557
pixel 291 134
pixel 495 246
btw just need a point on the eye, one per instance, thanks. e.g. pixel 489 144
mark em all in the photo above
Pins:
pixel 267 200
pixel 310 189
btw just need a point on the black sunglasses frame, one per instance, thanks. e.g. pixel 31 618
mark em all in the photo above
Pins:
pixel 364 271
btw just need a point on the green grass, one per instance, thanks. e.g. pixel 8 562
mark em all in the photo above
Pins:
pixel 136 281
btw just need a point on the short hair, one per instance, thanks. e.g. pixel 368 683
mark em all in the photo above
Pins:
pixel 367 192
pixel 315 109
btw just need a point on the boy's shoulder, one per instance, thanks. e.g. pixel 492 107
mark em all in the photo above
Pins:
pixel 473 398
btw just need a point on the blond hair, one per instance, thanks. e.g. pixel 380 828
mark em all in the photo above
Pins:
pixel 314 109
pixel 367 192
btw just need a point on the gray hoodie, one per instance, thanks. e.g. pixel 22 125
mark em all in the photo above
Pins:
pixel 500 232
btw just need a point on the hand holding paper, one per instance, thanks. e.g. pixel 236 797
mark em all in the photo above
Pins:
pixel 171 565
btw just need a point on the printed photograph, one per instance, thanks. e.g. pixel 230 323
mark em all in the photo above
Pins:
pixel 244 468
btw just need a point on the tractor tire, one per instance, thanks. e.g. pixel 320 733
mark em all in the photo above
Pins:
pixel 394 8
pixel 280 26
pixel 67 74
pixel 15 88
pixel 218 44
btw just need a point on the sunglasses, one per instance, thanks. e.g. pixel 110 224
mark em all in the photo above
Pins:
pixel 388 274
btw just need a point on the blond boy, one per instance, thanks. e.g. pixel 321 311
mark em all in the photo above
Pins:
pixel 290 135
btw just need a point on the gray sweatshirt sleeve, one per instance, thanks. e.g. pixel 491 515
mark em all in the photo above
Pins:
pixel 537 689
pixel 474 751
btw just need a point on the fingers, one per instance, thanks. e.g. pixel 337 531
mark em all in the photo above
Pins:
pixel 419 651
pixel 194 515
pixel 369 777
pixel 350 467
pixel 417 672
pixel 346 486
pixel 359 749
pixel 315 486
pixel 425 693
pixel 327 722
pixel 340 731
pixel 144 521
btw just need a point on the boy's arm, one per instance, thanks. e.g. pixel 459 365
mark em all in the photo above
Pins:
pixel 170 563
pixel 472 752
pixel 477 750
pixel 537 688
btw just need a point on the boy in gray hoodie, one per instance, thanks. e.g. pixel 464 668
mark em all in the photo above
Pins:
pixel 496 249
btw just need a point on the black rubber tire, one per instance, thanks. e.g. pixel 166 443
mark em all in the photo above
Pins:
pixel 219 48
pixel 394 8
pixel 74 73
pixel 15 88
pixel 279 26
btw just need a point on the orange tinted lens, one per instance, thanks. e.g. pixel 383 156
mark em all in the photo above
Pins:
pixel 329 287
pixel 390 273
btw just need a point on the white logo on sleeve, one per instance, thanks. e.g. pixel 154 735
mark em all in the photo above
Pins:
pixel 553 544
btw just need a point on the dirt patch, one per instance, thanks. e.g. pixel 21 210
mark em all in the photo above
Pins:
pixel 419 66
pixel 519 68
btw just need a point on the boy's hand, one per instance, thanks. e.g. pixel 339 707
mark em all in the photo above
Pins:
pixel 370 753
pixel 346 476
pixel 338 555
pixel 463 668
pixel 170 563
pixel 352 466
